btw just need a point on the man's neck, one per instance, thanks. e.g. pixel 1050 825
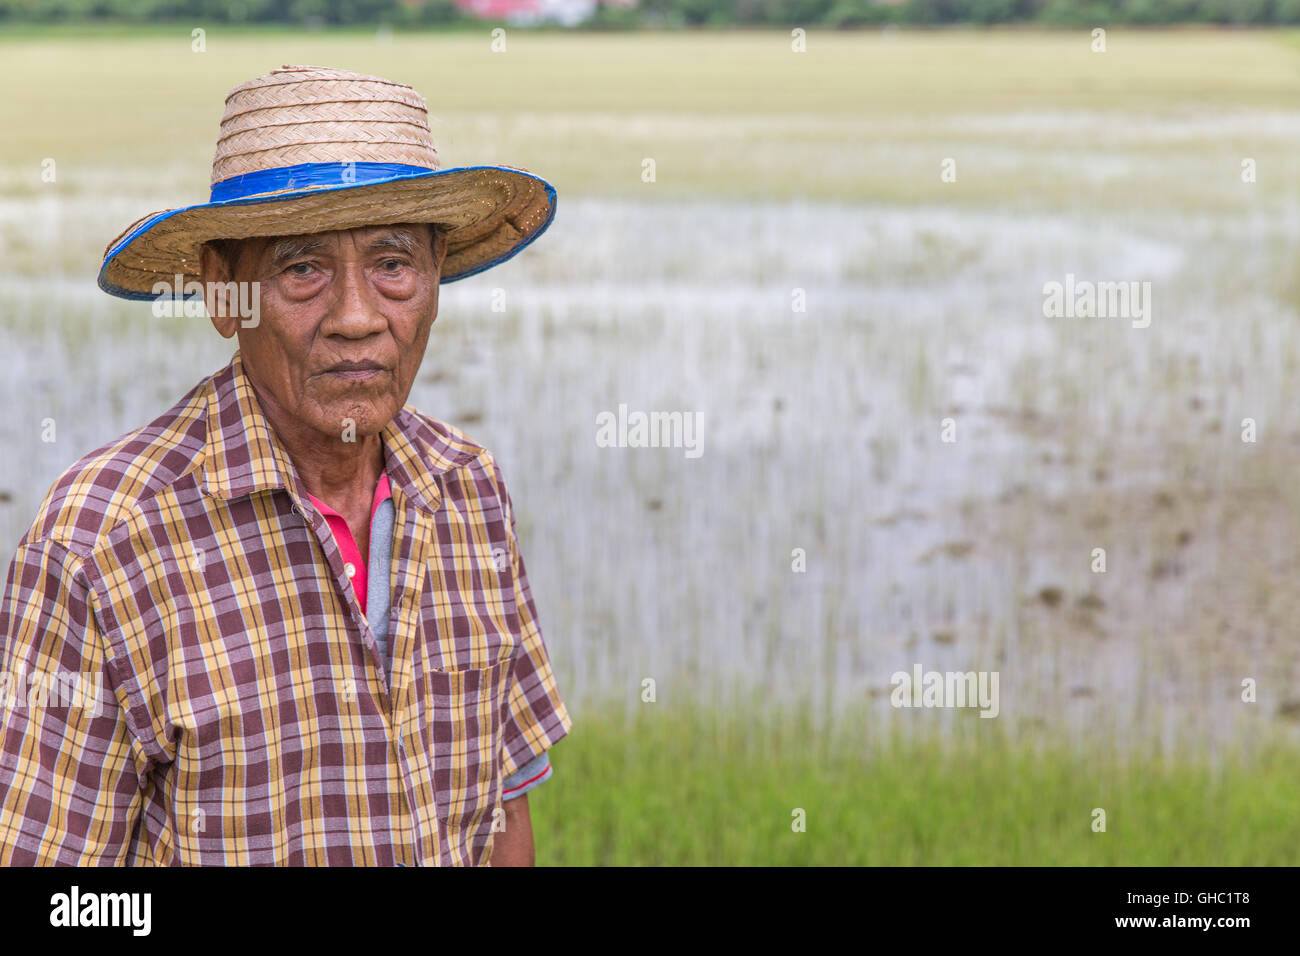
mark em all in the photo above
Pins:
pixel 343 474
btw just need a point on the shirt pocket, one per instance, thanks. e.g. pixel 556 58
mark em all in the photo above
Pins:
pixel 466 709
pixel 468 618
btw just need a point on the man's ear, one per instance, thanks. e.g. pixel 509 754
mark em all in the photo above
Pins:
pixel 223 310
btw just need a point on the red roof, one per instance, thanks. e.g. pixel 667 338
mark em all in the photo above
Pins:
pixel 504 9
pixel 497 9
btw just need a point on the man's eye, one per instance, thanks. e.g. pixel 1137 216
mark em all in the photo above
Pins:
pixel 300 268
pixel 392 265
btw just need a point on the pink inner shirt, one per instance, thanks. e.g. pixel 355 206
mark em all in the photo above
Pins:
pixel 352 556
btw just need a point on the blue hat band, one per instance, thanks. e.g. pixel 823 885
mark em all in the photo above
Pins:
pixel 309 176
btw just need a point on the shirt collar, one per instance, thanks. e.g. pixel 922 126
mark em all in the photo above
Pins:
pixel 243 455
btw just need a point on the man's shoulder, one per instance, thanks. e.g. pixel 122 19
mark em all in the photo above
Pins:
pixel 444 446
pixel 101 489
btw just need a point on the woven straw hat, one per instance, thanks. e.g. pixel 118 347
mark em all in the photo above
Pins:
pixel 310 149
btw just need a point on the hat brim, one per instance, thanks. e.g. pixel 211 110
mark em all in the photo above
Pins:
pixel 489 214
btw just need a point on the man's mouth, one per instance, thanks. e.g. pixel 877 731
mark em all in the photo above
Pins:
pixel 356 371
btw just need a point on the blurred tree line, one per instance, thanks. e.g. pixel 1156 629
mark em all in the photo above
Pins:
pixel 234 11
pixel 679 13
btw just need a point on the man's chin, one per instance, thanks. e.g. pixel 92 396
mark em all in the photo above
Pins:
pixel 352 420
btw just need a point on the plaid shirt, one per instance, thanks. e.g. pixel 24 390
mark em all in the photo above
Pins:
pixel 241 714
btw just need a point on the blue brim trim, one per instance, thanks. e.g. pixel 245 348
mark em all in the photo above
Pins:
pixel 366 177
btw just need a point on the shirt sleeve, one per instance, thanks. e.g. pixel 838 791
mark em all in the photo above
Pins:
pixel 532 774
pixel 70 770
pixel 537 718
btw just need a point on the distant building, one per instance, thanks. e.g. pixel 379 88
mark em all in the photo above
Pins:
pixel 526 12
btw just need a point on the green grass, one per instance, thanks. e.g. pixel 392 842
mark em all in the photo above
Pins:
pixel 690 788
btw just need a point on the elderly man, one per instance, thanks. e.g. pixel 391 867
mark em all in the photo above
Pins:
pixel 299 603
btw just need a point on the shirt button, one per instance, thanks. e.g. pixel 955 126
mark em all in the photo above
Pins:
pixel 350 569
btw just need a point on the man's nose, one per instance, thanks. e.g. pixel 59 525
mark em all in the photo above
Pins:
pixel 355 312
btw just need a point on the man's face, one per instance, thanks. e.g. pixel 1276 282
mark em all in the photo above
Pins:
pixel 344 318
